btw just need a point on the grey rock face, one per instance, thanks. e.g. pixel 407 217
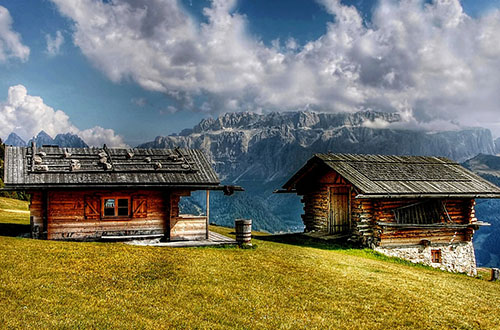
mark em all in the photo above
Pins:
pixel 497 146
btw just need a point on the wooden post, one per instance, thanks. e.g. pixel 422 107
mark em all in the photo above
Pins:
pixel 208 210
pixel 33 151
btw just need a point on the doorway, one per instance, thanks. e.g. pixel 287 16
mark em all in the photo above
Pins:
pixel 339 214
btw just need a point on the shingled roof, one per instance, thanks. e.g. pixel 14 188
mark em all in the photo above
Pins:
pixel 33 168
pixel 378 176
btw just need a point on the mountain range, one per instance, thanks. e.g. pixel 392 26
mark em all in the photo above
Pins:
pixel 63 140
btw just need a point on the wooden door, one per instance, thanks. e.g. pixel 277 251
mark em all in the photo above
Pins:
pixel 339 215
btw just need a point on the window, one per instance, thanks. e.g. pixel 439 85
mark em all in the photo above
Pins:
pixel 425 212
pixel 436 256
pixel 122 207
pixel 116 207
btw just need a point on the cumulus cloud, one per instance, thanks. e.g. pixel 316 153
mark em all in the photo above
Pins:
pixel 54 43
pixel 10 41
pixel 27 115
pixel 97 136
pixel 429 60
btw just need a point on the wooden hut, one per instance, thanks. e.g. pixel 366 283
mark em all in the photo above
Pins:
pixel 103 193
pixel 417 208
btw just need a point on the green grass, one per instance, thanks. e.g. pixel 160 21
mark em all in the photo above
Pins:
pixel 14 211
pixel 286 282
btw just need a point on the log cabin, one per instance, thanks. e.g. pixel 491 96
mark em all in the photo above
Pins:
pixel 416 208
pixel 110 194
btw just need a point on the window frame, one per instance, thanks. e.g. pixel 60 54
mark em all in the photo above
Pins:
pixel 436 256
pixel 116 216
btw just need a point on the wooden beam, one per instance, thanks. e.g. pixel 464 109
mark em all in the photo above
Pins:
pixel 431 225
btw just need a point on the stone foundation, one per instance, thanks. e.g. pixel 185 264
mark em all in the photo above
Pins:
pixel 456 257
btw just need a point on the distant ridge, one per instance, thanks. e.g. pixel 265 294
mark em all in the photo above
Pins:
pixel 67 140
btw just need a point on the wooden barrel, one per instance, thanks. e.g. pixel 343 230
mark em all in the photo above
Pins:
pixel 495 274
pixel 243 228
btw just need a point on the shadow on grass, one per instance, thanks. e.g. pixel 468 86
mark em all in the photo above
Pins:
pixel 307 241
pixel 12 229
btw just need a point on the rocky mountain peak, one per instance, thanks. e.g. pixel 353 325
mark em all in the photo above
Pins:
pixel 69 140
pixel 42 138
pixel 15 140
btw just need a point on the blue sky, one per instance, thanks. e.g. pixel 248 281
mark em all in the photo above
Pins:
pixel 267 57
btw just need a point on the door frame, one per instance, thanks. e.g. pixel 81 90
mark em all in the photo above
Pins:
pixel 330 214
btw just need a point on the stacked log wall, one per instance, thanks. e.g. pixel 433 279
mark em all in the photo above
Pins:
pixel 459 211
pixel 67 221
pixel 362 221
pixel 316 207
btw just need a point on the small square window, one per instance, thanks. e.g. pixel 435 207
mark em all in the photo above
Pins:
pixel 436 256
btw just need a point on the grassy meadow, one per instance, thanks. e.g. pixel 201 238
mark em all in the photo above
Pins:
pixel 285 282
pixel 13 211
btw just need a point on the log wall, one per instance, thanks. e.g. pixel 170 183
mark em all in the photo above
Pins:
pixel 67 220
pixel 315 215
pixel 363 222
pixel 460 211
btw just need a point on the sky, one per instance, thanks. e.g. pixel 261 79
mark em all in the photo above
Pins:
pixel 122 72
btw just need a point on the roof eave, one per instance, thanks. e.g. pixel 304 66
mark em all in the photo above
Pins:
pixel 200 186
pixel 429 195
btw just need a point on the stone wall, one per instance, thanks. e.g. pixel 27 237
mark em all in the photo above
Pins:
pixel 456 257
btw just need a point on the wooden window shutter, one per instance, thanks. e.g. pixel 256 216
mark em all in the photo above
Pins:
pixel 139 207
pixel 92 207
